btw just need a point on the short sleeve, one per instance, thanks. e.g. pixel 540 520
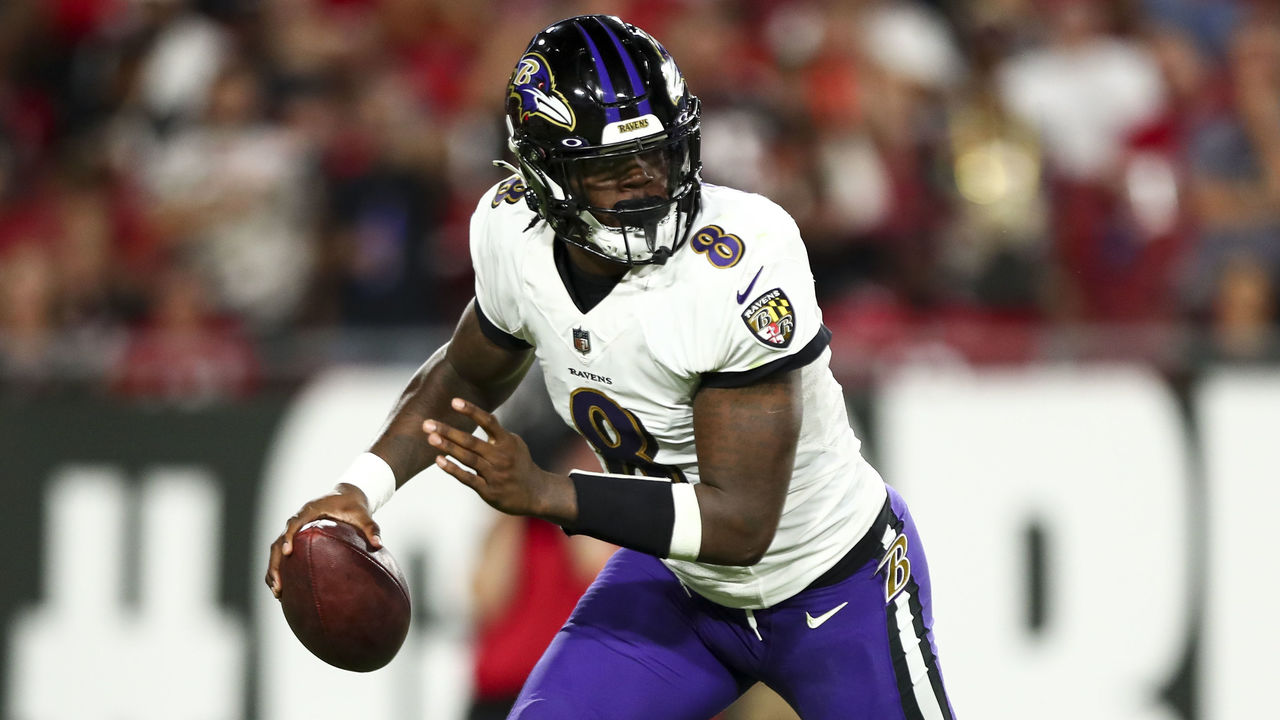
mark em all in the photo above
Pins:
pixel 494 259
pixel 777 319
pixel 772 322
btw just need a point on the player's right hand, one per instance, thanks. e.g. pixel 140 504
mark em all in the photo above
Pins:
pixel 346 503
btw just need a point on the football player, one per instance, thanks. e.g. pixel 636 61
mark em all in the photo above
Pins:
pixel 677 331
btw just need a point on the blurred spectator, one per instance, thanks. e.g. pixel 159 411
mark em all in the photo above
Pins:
pixel 63 241
pixel 964 174
pixel 230 195
pixel 996 249
pixel 28 328
pixel 84 254
pixel 385 203
pixel 1237 170
pixel 307 40
pixel 877 146
pixel 1151 222
pixel 186 52
pixel 97 239
pixel 1209 23
pixel 186 354
pixel 1084 90
pixel 739 119
pixel 1087 91
pixel 1243 329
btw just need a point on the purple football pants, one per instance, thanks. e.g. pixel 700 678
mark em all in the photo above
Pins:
pixel 641 646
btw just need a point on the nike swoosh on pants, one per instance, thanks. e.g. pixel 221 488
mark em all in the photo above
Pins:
pixel 814 622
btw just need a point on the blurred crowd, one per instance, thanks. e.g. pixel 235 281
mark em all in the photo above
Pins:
pixel 187 186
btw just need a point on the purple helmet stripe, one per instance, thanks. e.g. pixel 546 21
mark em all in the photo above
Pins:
pixel 610 96
pixel 633 76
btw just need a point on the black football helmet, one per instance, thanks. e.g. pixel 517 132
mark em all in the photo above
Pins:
pixel 592 93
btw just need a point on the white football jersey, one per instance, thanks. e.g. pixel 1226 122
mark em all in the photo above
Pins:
pixel 734 302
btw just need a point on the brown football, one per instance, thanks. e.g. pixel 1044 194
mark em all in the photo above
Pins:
pixel 346 602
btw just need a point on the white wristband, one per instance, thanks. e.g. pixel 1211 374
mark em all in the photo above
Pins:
pixel 374 477
pixel 686 532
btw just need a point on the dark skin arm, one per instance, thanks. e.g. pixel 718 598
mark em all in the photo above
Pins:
pixel 470 367
pixel 746 440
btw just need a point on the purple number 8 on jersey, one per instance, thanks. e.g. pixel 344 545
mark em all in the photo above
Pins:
pixel 722 249
pixel 617 435
pixel 510 191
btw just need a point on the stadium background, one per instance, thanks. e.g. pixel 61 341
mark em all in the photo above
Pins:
pixel 1046 235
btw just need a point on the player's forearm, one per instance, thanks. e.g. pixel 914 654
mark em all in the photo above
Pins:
pixel 735 531
pixel 402 443
pixel 746 440
pixel 557 500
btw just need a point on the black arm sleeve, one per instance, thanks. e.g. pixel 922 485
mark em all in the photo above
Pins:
pixel 633 512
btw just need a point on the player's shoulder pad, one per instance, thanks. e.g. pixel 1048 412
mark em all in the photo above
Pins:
pixel 738 228
pixel 501 210
pixel 508 191
pixel 505 198
pixel 766 305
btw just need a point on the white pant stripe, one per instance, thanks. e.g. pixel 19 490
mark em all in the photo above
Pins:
pixel 930 707
pixel 909 645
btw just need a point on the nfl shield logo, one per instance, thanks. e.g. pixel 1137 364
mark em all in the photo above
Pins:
pixel 581 340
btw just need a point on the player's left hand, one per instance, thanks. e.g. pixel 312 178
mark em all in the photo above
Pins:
pixel 505 475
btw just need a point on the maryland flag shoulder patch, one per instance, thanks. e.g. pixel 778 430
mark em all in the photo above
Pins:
pixel 771 318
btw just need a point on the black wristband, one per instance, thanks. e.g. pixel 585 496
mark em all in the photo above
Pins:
pixel 630 511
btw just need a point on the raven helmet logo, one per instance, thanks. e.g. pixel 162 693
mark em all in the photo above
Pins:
pixel 581 340
pixel 771 318
pixel 535 87
pixel 670 73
